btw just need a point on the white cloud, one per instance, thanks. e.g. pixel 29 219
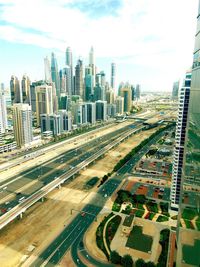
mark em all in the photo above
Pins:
pixel 148 33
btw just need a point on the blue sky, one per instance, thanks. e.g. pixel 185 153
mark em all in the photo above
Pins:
pixel 151 41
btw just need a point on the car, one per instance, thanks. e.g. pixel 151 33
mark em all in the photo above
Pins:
pixel 83 214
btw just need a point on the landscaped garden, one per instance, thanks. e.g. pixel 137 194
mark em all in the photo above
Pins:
pixel 164 241
pixel 99 234
pixel 111 229
pixel 135 204
pixel 188 216
pixel 137 240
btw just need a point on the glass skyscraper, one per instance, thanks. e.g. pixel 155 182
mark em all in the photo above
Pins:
pixel 188 242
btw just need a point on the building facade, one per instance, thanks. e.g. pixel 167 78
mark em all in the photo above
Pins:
pixel 184 95
pixel 44 100
pixel 22 124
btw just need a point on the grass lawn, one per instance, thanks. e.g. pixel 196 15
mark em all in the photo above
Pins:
pixel 151 215
pixel 189 214
pixel 116 207
pixel 190 253
pixel 139 213
pixel 137 240
pixel 162 218
pixel 189 224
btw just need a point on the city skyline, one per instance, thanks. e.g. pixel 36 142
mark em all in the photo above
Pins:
pixel 156 51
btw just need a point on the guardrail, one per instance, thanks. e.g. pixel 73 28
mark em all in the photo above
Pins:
pixel 44 150
pixel 22 207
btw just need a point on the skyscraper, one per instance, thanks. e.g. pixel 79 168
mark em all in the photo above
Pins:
pixel 22 124
pixel 3 111
pixel 175 90
pixel 65 120
pixel 119 105
pixel 189 209
pixel 137 91
pixel 91 112
pixel 88 87
pixel 50 122
pixel 79 79
pixel 44 101
pixel 67 80
pixel 15 90
pixel 47 69
pixel 54 73
pixel 25 85
pixel 113 74
pixel 181 124
pixel 101 110
pixel 92 64
pixel 99 93
pixel 69 63
pixel 126 93
pixel 110 96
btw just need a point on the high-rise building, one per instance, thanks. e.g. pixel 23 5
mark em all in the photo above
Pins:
pixel 69 63
pixel 50 122
pixel 79 111
pixel 63 103
pixel 92 64
pixel 65 120
pixel 113 76
pixel 181 124
pixel 126 93
pixel 44 101
pixel 54 73
pixel 101 110
pixel 91 112
pixel 138 91
pixel 22 124
pixel 79 90
pixel 175 90
pixel 133 92
pixel 110 96
pixel 99 93
pixel 111 110
pixel 192 162
pixel 188 238
pixel 3 111
pixel 15 90
pixel 47 70
pixel 88 84
pixel 119 105
pixel 66 81
pixel 25 85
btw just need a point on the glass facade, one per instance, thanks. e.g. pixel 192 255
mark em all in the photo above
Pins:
pixel 188 243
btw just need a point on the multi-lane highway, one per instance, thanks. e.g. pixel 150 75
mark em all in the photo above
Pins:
pixel 56 172
pixel 72 235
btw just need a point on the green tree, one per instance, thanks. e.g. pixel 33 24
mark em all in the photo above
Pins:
pixel 115 257
pixel 150 264
pixel 127 261
pixel 140 263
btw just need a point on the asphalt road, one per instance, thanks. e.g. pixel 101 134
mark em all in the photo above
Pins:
pixel 72 235
pixel 46 173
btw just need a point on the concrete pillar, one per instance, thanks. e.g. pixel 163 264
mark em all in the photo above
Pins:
pixel 59 187
pixel 42 199
pixel 21 215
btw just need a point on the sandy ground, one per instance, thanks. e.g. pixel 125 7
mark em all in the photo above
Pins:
pixel 44 221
